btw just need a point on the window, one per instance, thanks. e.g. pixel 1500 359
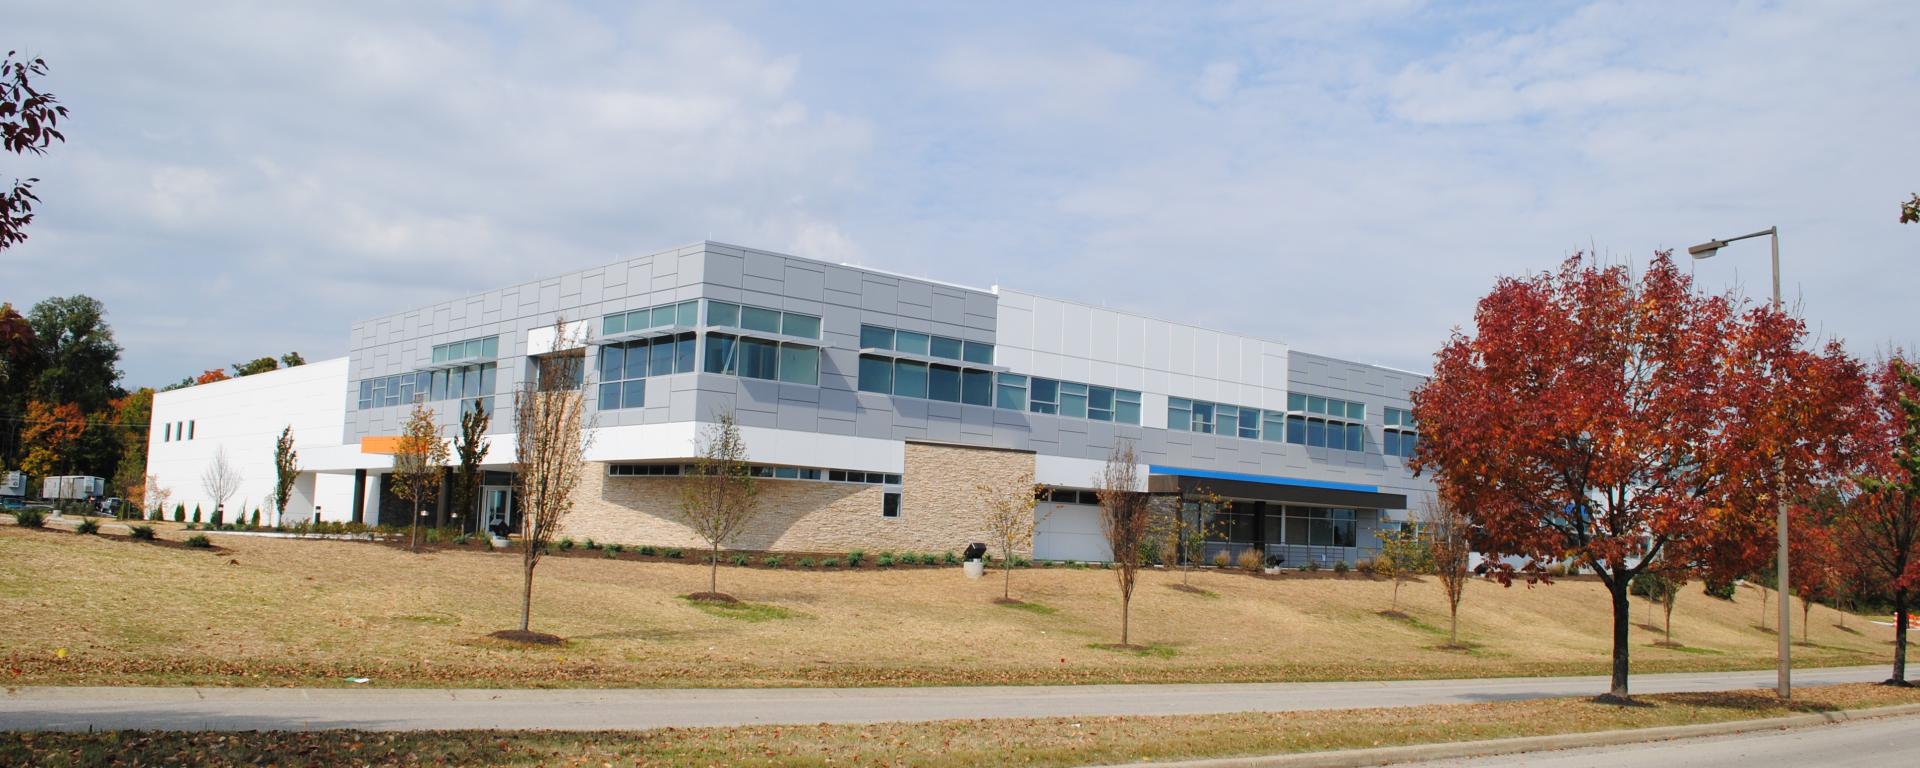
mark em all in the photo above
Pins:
pixel 406 388
pixel 876 337
pixel 1227 418
pixel 1179 414
pixel 800 364
pixel 976 387
pixel 471 349
pixel 684 313
pixel 759 359
pixel 1126 406
pixel 166 433
pixel 944 383
pixel 1011 392
pixel 1045 396
pixel 946 347
pixel 623 367
pixel 752 358
pixel 1273 426
pixel 1203 417
pixel 909 378
pixel 1325 422
pixel 729 315
pixel 977 352
pixel 876 374
pixel 189 430
pixel 1100 403
pixel 643 470
pixel 890 504
pixel 1073 399
pixel 911 343
pixel 720 348
pixel 1401 436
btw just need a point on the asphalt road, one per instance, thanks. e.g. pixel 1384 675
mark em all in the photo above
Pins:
pixel 1878 743
pixel 240 709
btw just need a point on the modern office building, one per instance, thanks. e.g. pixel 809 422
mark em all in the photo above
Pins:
pixel 871 403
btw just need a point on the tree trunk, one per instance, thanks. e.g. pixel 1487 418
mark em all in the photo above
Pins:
pixel 1621 618
pixel 1669 622
pixel 526 596
pixel 413 528
pixel 713 570
pixel 1006 586
pixel 1126 602
pixel 1396 594
pixel 1764 601
pixel 1900 619
pixel 1806 615
pixel 1453 625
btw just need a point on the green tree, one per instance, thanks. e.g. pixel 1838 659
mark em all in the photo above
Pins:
pixel 419 462
pixel 256 365
pixel 79 358
pixel 718 497
pixel 134 416
pixel 286 469
pixel 469 449
pixel 292 359
pixel 19 367
pixel 29 121
pixel 1403 554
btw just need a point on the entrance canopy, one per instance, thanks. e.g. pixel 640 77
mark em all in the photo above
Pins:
pixel 1288 490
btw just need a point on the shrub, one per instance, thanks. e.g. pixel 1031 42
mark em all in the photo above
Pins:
pixel 199 541
pixel 1723 591
pixel 461 540
pixel 608 554
pixel 179 513
pixel 741 560
pixel 87 525
pixel 854 558
pixel 1021 562
pixel 676 553
pixel 1249 559
pixel 951 558
pixel 649 550
pixel 1311 566
pixel 196 513
pixel 885 560
pixel 255 521
pixel 806 562
pixel 1364 566
pixel 772 561
pixel 566 544
pixel 1340 568
pixel 30 518
pixel 1556 570
pixel 616 548
pixel 143 532
pixel 1220 560
pixel 830 562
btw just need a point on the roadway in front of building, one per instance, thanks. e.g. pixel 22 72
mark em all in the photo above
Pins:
pixel 384 709
pixel 1877 743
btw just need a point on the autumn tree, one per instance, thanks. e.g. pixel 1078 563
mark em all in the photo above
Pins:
pixel 286 470
pixel 1007 511
pixel 51 433
pixel 1445 527
pixel 210 376
pixel 1403 554
pixel 29 123
pixel 1910 211
pixel 718 495
pixel 469 449
pixel 419 462
pixel 551 435
pixel 135 416
pixel 1812 559
pixel 1611 420
pixel 1126 520
pixel 1879 527
pixel 221 481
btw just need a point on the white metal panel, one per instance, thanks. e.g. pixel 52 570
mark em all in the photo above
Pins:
pixel 1069 532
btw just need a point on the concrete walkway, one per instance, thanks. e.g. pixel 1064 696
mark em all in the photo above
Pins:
pixel 239 709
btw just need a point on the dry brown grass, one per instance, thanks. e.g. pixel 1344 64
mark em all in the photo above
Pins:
pixel 1038 742
pixel 269 611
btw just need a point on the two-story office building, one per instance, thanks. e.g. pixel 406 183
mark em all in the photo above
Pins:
pixel 872 404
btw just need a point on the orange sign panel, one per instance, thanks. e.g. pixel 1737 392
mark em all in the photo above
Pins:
pixel 382 444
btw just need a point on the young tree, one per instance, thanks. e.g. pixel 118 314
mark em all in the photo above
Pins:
pixel 29 122
pixel 1446 531
pixel 469 450
pixel 286 469
pixel 1008 512
pixel 1880 526
pixel 551 438
pixel 1403 554
pixel 157 496
pixel 1812 558
pixel 1607 420
pixel 419 461
pixel 1189 524
pixel 221 481
pixel 1126 519
pixel 718 497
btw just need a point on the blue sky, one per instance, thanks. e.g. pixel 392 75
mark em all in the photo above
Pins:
pixel 242 179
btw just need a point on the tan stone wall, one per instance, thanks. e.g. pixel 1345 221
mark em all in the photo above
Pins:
pixel 940 510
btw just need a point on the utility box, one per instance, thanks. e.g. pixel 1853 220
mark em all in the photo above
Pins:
pixel 74 487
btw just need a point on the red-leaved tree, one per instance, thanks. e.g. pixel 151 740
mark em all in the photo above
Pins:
pixel 1880 526
pixel 1615 421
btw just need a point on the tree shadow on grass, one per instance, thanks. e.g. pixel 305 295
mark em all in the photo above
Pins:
pixel 1193 590
pixel 1021 605
pixel 1153 650
pixel 1745 701
pixel 1846 629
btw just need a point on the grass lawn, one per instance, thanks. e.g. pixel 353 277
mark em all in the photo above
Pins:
pixel 257 611
pixel 1038 742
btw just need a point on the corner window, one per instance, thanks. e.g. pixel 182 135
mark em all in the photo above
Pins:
pixel 876 374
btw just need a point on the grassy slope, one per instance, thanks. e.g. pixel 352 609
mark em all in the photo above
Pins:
pixel 1038 742
pixel 314 612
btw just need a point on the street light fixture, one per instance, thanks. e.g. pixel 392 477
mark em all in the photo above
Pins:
pixel 1784 687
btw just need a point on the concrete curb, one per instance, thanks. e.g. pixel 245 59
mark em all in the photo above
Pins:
pixel 1355 758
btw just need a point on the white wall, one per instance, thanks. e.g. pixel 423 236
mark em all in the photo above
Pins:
pixel 244 417
pixel 1068 340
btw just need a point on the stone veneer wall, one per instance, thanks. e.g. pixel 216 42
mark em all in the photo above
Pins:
pixel 939 510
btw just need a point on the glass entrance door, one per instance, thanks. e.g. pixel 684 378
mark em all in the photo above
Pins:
pixel 496 509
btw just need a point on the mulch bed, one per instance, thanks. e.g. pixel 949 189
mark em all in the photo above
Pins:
pixel 524 637
pixel 714 597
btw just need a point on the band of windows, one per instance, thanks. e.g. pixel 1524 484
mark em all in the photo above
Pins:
pixel 624 367
pixel 486 348
pixel 874 337
pixel 1312 421
pixel 761 471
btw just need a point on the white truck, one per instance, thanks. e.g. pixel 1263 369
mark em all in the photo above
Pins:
pixel 74 487
pixel 13 485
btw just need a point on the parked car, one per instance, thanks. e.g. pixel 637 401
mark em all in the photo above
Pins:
pixel 111 506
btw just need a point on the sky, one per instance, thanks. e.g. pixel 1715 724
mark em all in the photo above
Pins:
pixel 243 179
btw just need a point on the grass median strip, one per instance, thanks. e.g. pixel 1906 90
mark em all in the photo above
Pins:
pixel 1040 741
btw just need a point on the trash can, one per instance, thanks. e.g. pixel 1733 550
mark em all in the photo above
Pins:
pixel 975 564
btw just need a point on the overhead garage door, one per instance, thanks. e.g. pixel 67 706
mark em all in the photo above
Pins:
pixel 1069 532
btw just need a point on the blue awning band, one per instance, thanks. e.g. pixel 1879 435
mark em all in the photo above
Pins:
pixel 1155 469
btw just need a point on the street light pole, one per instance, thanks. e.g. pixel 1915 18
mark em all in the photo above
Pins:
pixel 1784 684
